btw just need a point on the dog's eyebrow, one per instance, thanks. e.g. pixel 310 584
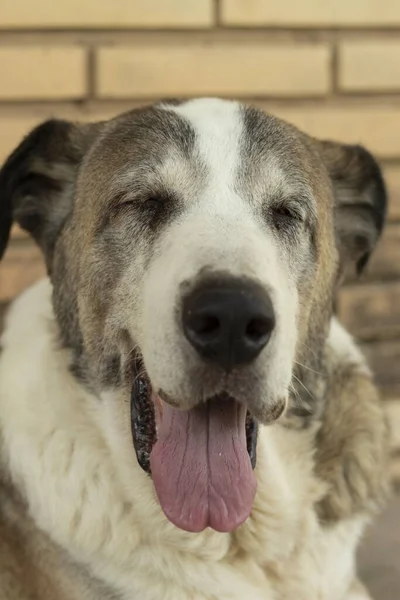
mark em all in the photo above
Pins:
pixel 306 202
pixel 136 179
pixel 297 193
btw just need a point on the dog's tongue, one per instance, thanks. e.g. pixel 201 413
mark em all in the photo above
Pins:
pixel 201 468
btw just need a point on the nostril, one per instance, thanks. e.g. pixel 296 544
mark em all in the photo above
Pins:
pixel 228 322
pixel 205 326
pixel 256 329
pixel 259 329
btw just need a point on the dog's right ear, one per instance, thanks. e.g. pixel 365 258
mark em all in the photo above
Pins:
pixel 37 181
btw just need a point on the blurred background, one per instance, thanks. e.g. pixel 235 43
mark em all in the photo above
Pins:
pixel 331 68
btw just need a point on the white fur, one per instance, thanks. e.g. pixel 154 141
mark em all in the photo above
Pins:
pixel 67 451
pixel 344 348
pixel 219 131
pixel 219 230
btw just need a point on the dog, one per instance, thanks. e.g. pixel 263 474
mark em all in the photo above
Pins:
pixel 181 414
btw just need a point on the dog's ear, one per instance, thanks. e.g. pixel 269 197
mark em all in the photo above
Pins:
pixel 360 201
pixel 37 181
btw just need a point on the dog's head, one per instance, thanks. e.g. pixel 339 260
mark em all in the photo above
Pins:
pixel 194 250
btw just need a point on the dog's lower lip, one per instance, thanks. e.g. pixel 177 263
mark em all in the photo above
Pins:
pixel 251 437
pixel 146 411
pixel 143 422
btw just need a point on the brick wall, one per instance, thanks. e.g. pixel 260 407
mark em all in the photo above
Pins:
pixel 332 68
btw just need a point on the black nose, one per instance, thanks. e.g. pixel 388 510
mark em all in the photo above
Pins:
pixel 230 322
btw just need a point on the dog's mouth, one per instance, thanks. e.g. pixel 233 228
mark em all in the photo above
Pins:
pixel 201 459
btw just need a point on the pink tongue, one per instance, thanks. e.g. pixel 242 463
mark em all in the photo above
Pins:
pixel 201 468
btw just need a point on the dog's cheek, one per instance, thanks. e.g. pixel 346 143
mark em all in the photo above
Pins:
pixel 159 332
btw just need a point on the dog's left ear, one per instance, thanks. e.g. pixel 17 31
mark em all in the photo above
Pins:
pixel 361 200
pixel 37 181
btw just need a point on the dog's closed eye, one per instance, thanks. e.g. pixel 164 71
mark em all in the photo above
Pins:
pixel 147 202
pixel 155 202
pixel 146 209
pixel 285 213
pixel 286 217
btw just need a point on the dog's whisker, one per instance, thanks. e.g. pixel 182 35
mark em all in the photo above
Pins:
pixel 296 362
pixel 134 352
pixel 296 396
pixel 313 352
pixel 305 387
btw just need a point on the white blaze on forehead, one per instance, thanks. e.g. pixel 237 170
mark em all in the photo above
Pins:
pixel 220 130
pixel 218 125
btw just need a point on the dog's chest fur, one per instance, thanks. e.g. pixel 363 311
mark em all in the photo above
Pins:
pixel 93 500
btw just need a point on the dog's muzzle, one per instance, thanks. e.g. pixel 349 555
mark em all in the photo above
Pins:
pixel 202 460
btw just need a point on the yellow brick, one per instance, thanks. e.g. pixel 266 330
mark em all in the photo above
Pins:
pixel 17 233
pixel 240 70
pixel 311 13
pixel 385 263
pixel 371 310
pixel 33 73
pixel 13 129
pixel 394 472
pixel 106 14
pixel 383 357
pixel 369 66
pixel 377 127
pixel 392 178
pixel 392 408
pixel 21 267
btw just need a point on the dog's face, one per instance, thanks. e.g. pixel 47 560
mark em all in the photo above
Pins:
pixel 194 250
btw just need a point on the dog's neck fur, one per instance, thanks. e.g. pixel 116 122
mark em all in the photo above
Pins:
pixel 84 487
